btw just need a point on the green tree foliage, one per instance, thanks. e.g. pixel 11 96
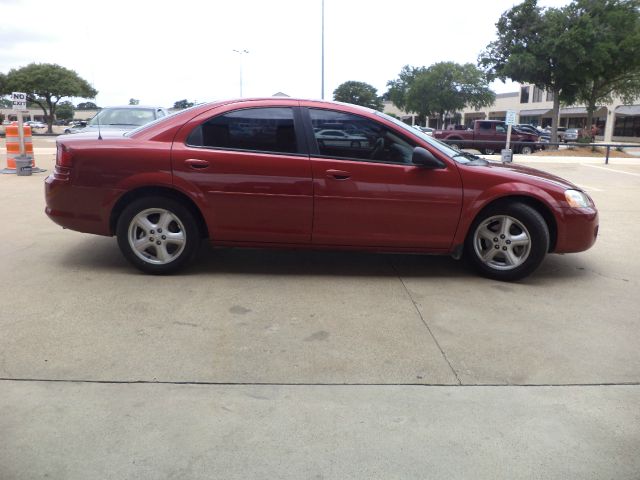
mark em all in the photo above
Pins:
pixel 65 111
pixel 399 87
pixel 87 106
pixel 5 103
pixel 134 101
pixel 441 89
pixel 609 32
pixel 45 85
pixel 358 93
pixel 182 104
pixel 538 46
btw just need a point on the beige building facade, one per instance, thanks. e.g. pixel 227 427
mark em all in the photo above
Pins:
pixel 617 122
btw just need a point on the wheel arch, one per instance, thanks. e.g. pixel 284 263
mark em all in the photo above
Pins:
pixel 532 202
pixel 149 191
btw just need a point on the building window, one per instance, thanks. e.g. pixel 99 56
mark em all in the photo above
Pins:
pixel 549 96
pixel 537 94
pixel 524 94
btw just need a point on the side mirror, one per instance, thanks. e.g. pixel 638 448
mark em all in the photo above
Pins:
pixel 424 158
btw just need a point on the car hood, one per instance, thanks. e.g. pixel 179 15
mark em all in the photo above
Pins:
pixel 514 171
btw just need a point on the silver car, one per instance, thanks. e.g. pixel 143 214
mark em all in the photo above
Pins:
pixel 126 117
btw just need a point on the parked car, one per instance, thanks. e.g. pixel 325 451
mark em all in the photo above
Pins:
pixel 163 187
pixel 75 125
pixel 35 124
pixel 340 138
pixel 545 136
pixel 571 135
pixel 427 130
pixel 526 128
pixel 127 117
pixel 488 136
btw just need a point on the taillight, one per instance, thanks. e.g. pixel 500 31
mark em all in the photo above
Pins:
pixel 64 157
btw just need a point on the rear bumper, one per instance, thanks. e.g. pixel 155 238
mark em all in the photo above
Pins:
pixel 577 230
pixel 76 208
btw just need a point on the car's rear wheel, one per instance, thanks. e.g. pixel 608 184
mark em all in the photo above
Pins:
pixel 158 235
pixel 526 150
pixel 455 146
pixel 507 241
pixel 488 151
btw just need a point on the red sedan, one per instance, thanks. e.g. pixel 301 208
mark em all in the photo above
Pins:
pixel 253 173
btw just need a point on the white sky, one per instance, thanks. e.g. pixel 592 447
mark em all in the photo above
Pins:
pixel 162 51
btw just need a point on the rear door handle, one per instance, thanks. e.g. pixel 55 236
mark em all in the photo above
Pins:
pixel 338 174
pixel 196 163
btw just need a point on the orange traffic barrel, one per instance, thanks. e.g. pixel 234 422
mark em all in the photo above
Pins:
pixel 13 147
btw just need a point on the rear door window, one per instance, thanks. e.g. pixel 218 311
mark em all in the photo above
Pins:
pixel 253 129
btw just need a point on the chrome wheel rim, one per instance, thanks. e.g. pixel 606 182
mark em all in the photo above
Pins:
pixel 157 236
pixel 502 242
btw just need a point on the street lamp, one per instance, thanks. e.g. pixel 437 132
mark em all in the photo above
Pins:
pixel 241 52
pixel 322 88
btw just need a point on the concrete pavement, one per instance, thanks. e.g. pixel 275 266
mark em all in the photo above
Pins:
pixel 287 364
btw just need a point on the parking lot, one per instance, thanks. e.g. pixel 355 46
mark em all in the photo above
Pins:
pixel 296 364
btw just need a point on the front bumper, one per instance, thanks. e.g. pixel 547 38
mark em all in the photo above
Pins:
pixel 577 230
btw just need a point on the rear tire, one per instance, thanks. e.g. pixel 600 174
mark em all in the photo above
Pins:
pixel 158 235
pixel 507 241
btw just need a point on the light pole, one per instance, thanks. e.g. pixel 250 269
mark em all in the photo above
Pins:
pixel 240 53
pixel 322 93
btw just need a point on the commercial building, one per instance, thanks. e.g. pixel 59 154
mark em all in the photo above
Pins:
pixel 617 122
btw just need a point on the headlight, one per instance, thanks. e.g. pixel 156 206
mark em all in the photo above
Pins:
pixel 577 199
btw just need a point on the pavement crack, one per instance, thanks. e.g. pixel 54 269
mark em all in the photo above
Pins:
pixel 314 384
pixel 426 324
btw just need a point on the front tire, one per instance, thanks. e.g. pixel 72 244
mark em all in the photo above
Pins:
pixel 507 241
pixel 158 235
pixel 526 150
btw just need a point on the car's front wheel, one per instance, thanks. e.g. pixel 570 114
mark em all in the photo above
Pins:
pixel 158 235
pixel 507 241
pixel 526 150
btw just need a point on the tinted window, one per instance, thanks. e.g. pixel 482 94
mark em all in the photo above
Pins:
pixel 257 129
pixel 342 135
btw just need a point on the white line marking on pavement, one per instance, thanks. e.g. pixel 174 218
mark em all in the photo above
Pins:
pixel 590 189
pixel 610 170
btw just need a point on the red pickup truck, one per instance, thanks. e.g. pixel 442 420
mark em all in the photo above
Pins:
pixel 488 136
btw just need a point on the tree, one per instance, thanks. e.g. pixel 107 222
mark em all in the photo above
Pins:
pixel 134 101
pixel 538 46
pixel 5 103
pixel 65 111
pixel 399 87
pixel 447 87
pixel 87 106
pixel 610 32
pixel 45 85
pixel 182 104
pixel 358 93
pixel 441 89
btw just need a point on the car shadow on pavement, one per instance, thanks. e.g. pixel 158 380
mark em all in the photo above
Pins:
pixel 102 253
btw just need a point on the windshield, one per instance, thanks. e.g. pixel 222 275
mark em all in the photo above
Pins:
pixel 123 116
pixel 437 144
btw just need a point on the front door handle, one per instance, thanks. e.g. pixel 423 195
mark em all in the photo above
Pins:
pixel 338 174
pixel 196 163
